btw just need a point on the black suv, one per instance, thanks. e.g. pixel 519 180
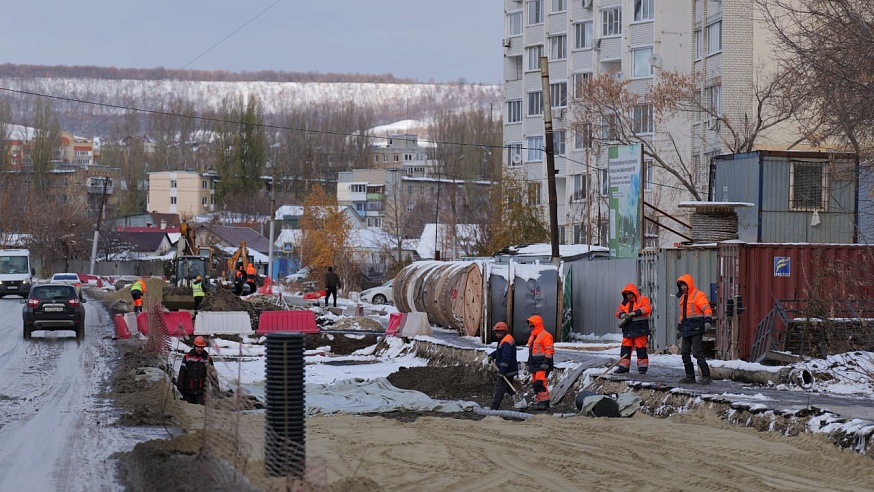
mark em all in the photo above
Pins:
pixel 53 307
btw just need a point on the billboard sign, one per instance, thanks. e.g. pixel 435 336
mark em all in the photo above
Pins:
pixel 625 169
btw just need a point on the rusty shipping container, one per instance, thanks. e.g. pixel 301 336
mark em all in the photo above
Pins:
pixel 755 275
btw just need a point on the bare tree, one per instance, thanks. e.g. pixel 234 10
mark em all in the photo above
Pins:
pixel 46 144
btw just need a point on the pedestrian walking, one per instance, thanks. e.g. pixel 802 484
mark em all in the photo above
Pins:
pixel 332 284
pixel 541 351
pixel 137 291
pixel 634 312
pixel 505 359
pixel 193 373
pixel 696 317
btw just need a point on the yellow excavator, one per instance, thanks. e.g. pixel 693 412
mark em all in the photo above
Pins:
pixel 238 259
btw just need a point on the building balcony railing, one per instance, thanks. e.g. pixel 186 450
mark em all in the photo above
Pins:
pixel 373 197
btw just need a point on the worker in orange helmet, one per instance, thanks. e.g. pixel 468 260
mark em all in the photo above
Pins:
pixel 504 358
pixel 634 314
pixel 193 373
pixel 541 352
pixel 251 273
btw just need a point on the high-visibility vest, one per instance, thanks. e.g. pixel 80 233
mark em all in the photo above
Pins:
pixel 197 289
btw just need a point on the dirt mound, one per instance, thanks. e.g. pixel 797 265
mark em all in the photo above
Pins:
pixel 446 383
pixel 357 324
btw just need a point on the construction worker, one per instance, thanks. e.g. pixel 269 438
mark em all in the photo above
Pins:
pixel 332 284
pixel 239 279
pixel 696 317
pixel 540 360
pixel 251 273
pixel 137 290
pixel 193 373
pixel 634 312
pixel 505 359
pixel 197 290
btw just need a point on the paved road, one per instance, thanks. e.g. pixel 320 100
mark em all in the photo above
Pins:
pixel 55 432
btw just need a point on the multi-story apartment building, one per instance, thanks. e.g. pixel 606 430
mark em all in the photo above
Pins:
pixel 636 41
pixel 187 193
pixel 398 150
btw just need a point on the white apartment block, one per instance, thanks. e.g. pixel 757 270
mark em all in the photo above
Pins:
pixel 634 40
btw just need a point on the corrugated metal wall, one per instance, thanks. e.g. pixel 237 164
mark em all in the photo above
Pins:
pixel 737 180
pixel 669 264
pixel 597 291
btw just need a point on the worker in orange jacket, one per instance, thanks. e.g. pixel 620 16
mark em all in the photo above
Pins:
pixel 696 317
pixel 634 312
pixel 251 273
pixel 541 352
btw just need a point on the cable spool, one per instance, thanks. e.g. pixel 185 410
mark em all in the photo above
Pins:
pixel 714 226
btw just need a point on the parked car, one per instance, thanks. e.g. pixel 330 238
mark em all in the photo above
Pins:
pixel 69 279
pixel 299 276
pixel 378 295
pixel 53 307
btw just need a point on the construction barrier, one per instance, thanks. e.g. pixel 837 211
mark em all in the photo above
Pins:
pixel 121 330
pixel 222 323
pixel 175 319
pixel 395 320
pixel 314 295
pixel 143 323
pixel 299 321
pixel 131 320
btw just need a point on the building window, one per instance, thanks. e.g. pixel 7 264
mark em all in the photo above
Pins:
pixel 561 234
pixel 610 127
pixel 535 149
pixel 604 177
pixel 713 100
pixel 203 184
pixel 172 183
pixel 534 193
pixel 514 154
pixel 558 47
pixel 203 201
pixel 578 234
pixel 514 23
pixel 558 95
pixel 697 44
pixel 535 12
pixel 580 81
pixel 808 185
pixel 559 142
pixel 583 35
pixel 397 158
pixel 559 5
pixel 534 54
pixel 514 111
pixel 580 188
pixel 643 10
pixel 641 66
pixel 515 67
pixel 172 200
pixel 714 38
pixel 583 136
pixel 611 21
pixel 358 188
pixel 384 157
pixel 535 103
pixel 642 118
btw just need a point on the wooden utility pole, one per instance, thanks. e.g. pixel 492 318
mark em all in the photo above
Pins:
pixel 272 225
pixel 550 159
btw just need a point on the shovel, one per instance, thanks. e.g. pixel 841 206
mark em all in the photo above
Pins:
pixel 519 401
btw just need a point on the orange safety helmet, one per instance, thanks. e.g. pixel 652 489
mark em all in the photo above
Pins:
pixel 199 342
pixel 501 326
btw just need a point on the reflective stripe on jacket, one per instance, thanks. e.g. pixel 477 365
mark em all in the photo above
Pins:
pixel 640 325
pixel 197 289
pixel 697 311
pixel 540 344
pixel 505 356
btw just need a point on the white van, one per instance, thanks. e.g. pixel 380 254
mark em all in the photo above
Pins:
pixel 16 274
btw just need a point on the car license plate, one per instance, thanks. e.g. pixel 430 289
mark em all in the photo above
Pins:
pixel 13 287
pixel 54 309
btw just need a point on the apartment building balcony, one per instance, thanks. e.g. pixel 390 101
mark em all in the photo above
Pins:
pixel 374 197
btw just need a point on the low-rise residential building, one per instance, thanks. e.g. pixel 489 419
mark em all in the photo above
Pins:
pixel 184 192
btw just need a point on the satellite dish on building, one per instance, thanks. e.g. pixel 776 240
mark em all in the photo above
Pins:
pixel 517 159
pixel 656 61
pixel 619 76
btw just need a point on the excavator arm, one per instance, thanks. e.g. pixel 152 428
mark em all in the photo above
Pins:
pixel 241 254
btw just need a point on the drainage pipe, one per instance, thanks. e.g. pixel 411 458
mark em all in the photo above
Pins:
pixel 510 414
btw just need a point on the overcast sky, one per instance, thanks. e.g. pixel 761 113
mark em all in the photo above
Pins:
pixel 440 40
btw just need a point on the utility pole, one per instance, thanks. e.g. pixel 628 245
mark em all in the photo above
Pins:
pixel 272 225
pixel 588 140
pixel 550 159
pixel 97 229
pixel 437 220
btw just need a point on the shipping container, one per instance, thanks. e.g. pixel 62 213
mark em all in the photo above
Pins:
pixel 753 276
pixel 808 197
pixel 596 291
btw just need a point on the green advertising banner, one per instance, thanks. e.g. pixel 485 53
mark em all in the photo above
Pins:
pixel 625 166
